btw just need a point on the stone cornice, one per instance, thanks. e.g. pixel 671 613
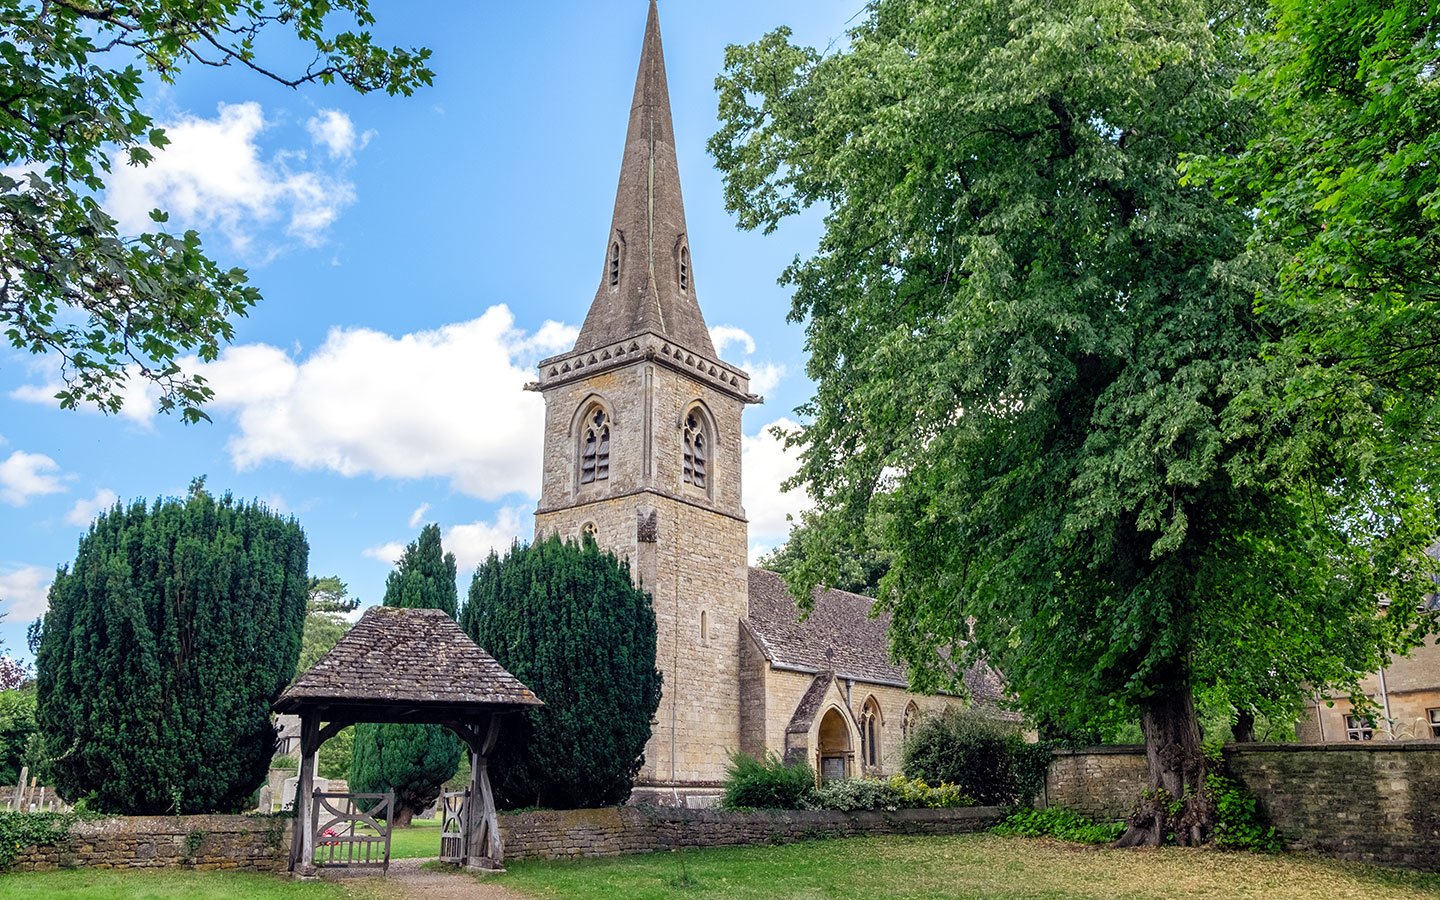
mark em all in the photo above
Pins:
pixel 575 365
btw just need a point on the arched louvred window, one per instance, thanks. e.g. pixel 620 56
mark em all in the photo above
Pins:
pixel 696 448
pixel 684 268
pixel 595 451
pixel 614 263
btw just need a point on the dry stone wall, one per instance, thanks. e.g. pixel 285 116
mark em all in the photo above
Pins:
pixel 249 843
pixel 631 829
pixel 1367 802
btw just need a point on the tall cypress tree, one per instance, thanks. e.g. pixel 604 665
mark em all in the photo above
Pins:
pixel 567 621
pixel 414 760
pixel 164 645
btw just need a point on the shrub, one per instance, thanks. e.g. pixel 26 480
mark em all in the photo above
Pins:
pixel 162 649
pixel 847 794
pixel 1238 823
pixel 767 783
pixel 985 758
pixel 1058 822
pixel 915 793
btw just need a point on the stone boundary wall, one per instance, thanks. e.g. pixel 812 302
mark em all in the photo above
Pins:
pixel 249 843
pixel 570 834
pixel 1372 801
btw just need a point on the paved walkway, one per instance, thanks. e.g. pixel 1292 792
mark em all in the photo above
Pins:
pixel 407 881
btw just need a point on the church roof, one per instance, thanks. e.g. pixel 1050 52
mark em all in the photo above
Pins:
pixel 406 657
pixel 649 226
pixel 839 635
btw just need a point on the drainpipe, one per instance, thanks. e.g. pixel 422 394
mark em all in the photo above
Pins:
pixel 1385 701
pixel 1319 719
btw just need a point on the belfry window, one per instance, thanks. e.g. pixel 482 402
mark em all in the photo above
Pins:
pixel 614 263
pixel 695 450
pixel 684 268
pixel 595 452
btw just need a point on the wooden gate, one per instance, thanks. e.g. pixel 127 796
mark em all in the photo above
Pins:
pixel 337 837
pixel 454 807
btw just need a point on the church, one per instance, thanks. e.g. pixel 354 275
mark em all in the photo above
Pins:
pixel 642 452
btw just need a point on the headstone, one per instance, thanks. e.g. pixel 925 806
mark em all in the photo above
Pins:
pixel 287 793
pixel 20 789
pixel 266 804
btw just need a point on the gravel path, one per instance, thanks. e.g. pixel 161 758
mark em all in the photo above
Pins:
pixel 407 881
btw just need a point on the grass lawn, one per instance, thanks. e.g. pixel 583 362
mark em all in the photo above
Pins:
pixel 972 867
pixel 93 884
pixel 420 840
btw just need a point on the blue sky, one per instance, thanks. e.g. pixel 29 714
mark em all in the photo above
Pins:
pixel 417 256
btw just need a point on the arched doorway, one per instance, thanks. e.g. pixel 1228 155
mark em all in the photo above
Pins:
pixel 832 746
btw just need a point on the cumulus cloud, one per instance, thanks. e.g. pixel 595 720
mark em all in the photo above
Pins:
pixel 418 515
pixel 25 475
pixel 472 543
pixel 139 395
pixel 766 465
pixel 214 174
pixel 448 403
pixel 333 130
pixel 24 592
pixel 388 553
pixel 85 511
pixel 764 376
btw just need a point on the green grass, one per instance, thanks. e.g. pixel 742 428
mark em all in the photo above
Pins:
pixel 91 884
pixel 972 867
pixel 419 841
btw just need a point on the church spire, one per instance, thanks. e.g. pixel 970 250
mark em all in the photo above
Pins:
pixel 648 284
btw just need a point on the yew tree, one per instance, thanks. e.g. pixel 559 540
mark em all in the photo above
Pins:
pixel 1027 333
pixel 413 760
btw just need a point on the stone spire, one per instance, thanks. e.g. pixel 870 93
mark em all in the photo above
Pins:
pixel 650 285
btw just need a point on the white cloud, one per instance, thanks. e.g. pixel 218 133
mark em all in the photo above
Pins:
pixel 389 554
pixel 418 515
pixel 334 130
pixel 214 174
pixel 85 511
pixel 723 336
pixel 24 592
pixel 139 395
pixel 472 543
pixel 764 376
pixel 766 464
pixel 25 475
pixel 448 403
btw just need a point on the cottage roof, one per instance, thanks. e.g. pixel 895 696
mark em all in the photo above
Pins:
pixel 839 635
pixel 406 658
pixel 648 227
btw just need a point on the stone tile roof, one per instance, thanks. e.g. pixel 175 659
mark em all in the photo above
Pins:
pixel 396 657
pixel 839 635
pixel 809 704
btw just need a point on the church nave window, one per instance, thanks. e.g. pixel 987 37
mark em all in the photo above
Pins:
pixel 696 446
pixel 588 531
pixel 595 453
pixel 870 734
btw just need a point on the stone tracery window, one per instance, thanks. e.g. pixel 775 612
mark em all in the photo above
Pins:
pixel 696 450
pixel 595 450
pixel 870 734
pixel 907 725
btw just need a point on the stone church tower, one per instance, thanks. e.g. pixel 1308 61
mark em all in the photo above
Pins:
pixel 642 450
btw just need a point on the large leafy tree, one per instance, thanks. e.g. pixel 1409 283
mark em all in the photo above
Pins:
pixel 1026 333
pixel 567 620
pixel 112 306
pixel 413 760
pixel 164 645
pixel 325 623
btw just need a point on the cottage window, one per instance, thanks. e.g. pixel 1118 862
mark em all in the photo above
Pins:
pixel 595 451
pixel 695 450
pixel 1359 728
pixel 1434 715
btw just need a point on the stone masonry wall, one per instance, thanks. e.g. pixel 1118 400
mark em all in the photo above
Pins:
pixel 632 829
pixel 249 843
pixel 1367 802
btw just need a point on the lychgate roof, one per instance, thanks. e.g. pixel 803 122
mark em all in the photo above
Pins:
pixel 838 636
pixel 406 657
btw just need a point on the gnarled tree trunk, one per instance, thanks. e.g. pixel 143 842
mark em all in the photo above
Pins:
pixel 1176 801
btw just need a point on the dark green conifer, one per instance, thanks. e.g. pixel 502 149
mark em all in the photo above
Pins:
pixel 164 646
pixel 567 621
pixel 414 760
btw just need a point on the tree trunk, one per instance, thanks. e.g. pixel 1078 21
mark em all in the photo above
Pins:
pixel 1176 801
pixel 1244 728
pixel 402 816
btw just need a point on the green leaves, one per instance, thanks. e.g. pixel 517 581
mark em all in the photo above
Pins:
pixel 117 308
